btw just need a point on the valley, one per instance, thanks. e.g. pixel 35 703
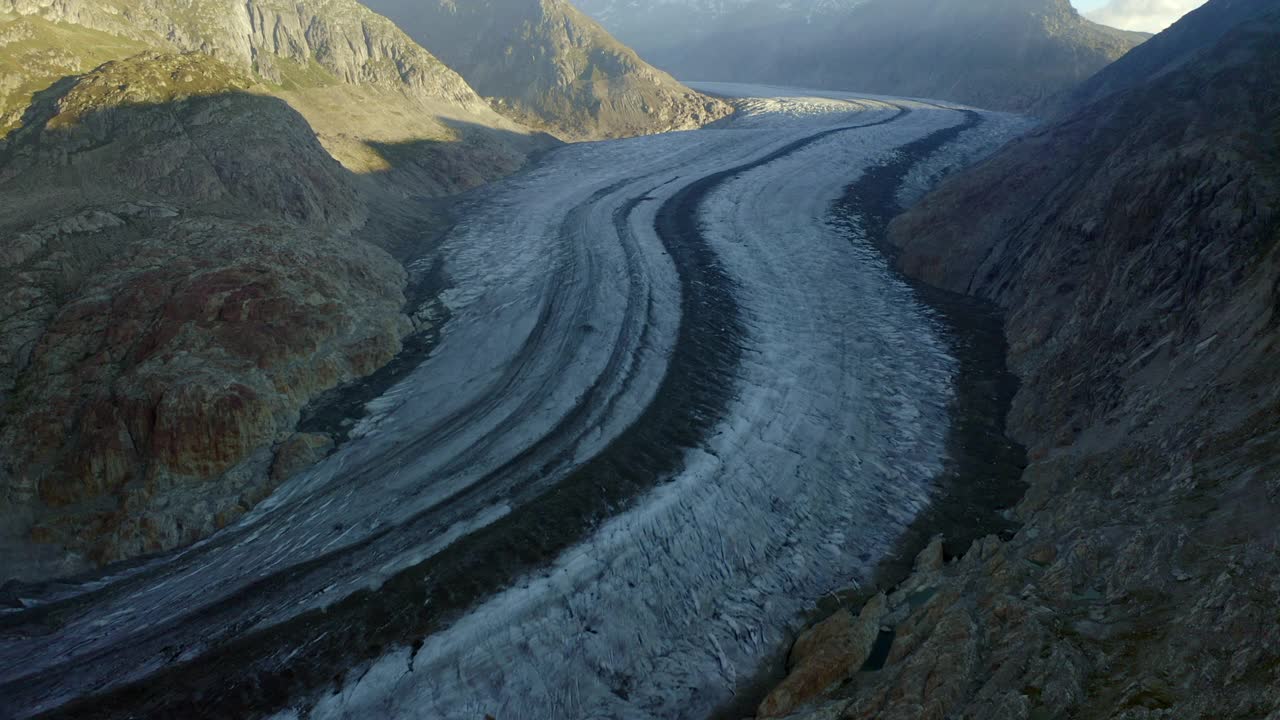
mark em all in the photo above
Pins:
pixel 517 489
pixel 692 359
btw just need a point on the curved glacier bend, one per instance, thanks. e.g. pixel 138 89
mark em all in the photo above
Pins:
pixel 837 424
pixel 567 315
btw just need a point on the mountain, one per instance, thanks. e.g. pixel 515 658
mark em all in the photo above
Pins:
pixel 207 204
pixel 1163 53
pixel 1003 54
pixel 665 30
pixel 360 82
pixel 549 66
pixel 1134 245
pixel 725 40
pixel 204 206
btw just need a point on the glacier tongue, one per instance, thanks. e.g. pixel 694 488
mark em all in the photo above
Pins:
pixel 837 425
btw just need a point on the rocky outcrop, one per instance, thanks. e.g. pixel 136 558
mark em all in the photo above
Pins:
pixel 547 65
pixel 1135 245
pixel 171 128
pixel 186 269
pixel 299 452
pixel 147 404
pixel 1002 54
pixel 824 655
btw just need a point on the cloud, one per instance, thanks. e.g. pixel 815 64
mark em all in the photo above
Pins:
pixel 1146 15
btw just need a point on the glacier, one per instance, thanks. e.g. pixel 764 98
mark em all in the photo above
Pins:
pixel 569 312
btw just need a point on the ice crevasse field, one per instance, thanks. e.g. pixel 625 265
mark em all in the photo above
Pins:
pixel 685 306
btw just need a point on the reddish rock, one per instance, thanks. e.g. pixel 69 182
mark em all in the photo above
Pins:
pixel 823 655
pixel 204 427
pixel 299 452
pixel 147 409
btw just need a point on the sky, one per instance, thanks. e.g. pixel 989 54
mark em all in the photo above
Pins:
pixel 1145 15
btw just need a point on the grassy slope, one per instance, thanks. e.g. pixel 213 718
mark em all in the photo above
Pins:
pixel 34 53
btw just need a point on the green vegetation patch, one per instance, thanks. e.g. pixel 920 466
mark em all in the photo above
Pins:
pixel 36 53
pixel 301 76
pixel 147 79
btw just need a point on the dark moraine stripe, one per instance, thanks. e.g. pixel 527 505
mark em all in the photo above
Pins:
pixel 983 473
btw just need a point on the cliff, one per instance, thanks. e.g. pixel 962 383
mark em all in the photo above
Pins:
pixel 1134 244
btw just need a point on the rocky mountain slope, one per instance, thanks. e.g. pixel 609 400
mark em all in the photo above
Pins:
pixel 187 274
pixel 199 197
pixel 360 82
pixel 547 65
pixel 1135 246
pixel 1003 54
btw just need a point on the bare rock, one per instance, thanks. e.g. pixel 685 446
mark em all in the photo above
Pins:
pixel 825 654
pixel 932 558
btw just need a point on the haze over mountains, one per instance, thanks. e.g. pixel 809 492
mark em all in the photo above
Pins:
pixel 1143 15
pixel 1006 54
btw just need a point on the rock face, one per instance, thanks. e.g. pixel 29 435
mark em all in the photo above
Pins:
pixel 1003 54
pixel 1135 244
pixel 171 128
pixel 547 65
pixel 824 655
